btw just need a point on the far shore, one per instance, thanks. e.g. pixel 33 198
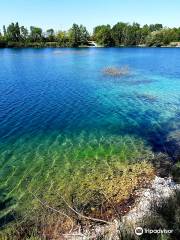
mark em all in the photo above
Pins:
pixel 41 45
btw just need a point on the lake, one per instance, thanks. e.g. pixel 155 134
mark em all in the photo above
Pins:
pixel 60 113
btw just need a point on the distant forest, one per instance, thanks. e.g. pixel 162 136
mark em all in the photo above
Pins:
pixel 121 34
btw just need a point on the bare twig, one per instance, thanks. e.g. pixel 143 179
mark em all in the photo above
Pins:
pixel 53 209
pixel 82 216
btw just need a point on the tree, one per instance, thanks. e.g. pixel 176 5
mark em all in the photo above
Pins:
pixel 74 36
pixel 2 41
pixel 50 35
pixel 24 33
pixel 35 34
pixel 155 27
pixel 120 34
pixel 145 31
pixel 162 37
pixel 128 38
pixel 13 32
pixel 62 38
pixel 136 34
pixel 117 33
pixel 102 35
pixel 84 34
pixel 178 34
pixel 4 30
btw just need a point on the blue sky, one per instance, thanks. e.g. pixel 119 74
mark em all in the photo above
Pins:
pixel 60 14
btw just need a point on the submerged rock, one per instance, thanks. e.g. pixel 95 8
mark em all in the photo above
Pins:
pixel 163 165
pixel 148 199
pixel 176 172
pixel 160 190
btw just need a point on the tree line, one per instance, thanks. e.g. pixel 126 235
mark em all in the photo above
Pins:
pixel 124 34
pixel 121 34
pixel 19 36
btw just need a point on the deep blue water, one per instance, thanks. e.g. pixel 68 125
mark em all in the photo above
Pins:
pixel 52 99
pixel 64 90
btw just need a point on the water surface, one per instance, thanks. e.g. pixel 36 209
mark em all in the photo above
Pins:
pixel 59 113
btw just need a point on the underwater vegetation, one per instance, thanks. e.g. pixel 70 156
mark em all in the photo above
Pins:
pixel 128 77
pixel 71 184
pixel 116 71
pixel 76 143
pixel 176 172
pixel 7 214
pixel 147 97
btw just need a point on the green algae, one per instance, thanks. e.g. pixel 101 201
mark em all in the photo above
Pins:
pixel 83 170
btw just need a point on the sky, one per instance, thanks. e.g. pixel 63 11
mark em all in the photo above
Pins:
pixel 61 14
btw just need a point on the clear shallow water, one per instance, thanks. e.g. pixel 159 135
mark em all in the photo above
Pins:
pixel 59 113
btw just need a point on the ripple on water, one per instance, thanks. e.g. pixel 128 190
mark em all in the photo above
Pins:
pixel 63 124
pixel 35 163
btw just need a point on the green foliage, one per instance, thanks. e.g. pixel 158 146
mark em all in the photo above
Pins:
pixel 121 34
pixel 74 36
pixel 35 34
pixel 4 30
pixel 155 27
pixel 50 37
pixel 78 35
pixel 24 33
pixel 124 34
pixel 102 35
pixel 62 39
pixel 2 41
pixel 132 34
pixel 118 33
pixel 84 35
pixel 13 32
pixel 162 37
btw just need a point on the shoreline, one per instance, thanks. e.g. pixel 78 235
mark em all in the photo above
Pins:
pixel 147 203
pixel 86 47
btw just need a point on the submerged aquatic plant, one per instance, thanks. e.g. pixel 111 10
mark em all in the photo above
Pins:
pixel 116 71
pixel 147 97
pixel 176 172
pixel 97 197
pixel 76 179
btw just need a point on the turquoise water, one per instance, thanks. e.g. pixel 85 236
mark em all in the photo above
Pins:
pixel 59 114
